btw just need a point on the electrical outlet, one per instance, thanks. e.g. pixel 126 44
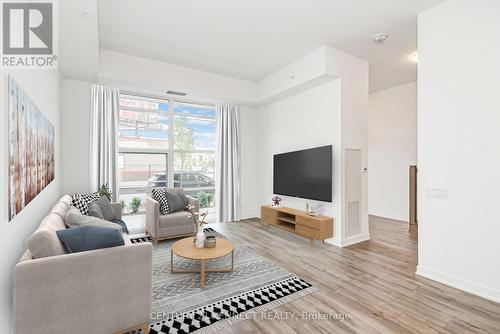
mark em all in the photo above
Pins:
pixel 437 193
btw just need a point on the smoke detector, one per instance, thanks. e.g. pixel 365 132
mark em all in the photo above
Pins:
pixel 380 38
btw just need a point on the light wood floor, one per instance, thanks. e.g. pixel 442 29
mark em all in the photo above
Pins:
pixel 374 282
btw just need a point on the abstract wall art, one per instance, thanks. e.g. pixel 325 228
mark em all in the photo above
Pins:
pixel 31 150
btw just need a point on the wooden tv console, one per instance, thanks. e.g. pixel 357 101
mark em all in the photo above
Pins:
pixel 298 222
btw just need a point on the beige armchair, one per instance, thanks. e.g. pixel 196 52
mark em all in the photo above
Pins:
pixel 173 225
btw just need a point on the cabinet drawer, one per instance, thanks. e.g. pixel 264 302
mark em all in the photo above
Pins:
pixel 309 222
pixel 268 215
pixel 307 232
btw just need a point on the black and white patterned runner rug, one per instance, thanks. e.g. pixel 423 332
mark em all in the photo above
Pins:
pixel 181 306
pixel 227 312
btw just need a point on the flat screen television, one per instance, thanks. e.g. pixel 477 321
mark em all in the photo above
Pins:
pixel 305 174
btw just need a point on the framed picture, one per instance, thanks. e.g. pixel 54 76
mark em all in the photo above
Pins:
pixel 31 150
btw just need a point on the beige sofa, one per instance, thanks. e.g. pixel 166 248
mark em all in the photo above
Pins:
pixel 101 291
pixel 172 225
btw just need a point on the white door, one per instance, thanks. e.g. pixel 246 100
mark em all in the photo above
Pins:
pixel 353 191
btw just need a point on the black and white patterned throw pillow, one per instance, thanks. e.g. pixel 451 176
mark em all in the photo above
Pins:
pixel 82 201
pixel 160 195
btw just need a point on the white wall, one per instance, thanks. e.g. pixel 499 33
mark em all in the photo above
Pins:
pixel 353 74
pixel 42 86
pixel 75 109
pixel 458 145
pixel 148 76
pixel 392 148
pixel 153 77
pixel 305 120
pixel 302 74
pixel 323 113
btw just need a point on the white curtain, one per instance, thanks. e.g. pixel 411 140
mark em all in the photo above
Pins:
pixel 227 178
pixel 104 138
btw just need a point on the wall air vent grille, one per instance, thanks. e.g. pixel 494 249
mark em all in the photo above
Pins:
pixel 173 92
pixel 353 219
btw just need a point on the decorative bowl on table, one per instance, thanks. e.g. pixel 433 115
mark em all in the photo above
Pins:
pixel 210 241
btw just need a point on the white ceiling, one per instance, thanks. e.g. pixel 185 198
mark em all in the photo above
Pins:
pixel 78 39
pixel 250 39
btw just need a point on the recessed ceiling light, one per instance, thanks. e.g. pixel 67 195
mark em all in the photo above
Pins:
pixel 84 14
pixel 413 57
pixel 380 38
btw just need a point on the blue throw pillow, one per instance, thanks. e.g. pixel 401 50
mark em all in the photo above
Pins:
pixel 122 224
pixel 87 238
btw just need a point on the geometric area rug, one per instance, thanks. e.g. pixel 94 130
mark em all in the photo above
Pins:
pixel 255 285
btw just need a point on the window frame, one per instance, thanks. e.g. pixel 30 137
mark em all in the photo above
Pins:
pixel 170 151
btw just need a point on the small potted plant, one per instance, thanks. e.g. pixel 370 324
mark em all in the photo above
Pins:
pixel 105 191
pixel 276 201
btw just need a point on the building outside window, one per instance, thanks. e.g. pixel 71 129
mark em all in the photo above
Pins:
pixel 165 143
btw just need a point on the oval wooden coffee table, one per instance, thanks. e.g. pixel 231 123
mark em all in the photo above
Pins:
pixel 185 248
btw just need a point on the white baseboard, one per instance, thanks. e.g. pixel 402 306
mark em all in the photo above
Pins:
pixel 459 283
pixel 249 215
pixel 355 239
pixel 348 241
pixel 334 241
